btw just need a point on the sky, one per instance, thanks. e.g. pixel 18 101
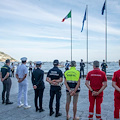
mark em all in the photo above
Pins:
pixel 33 28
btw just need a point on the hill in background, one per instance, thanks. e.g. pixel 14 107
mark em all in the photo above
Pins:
pixel 4 56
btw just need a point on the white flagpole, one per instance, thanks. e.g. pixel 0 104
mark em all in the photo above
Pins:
pixel 71 35
pixel 106 31
pixel 87 33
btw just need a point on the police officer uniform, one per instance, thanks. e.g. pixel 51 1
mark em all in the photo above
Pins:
pixel 23 85
pixel 96 78
pixel 6 83
pixel 67 65
pixel 54 74
pixel 37 81
pixel 82 65
pixel 116 79
pixel 104 66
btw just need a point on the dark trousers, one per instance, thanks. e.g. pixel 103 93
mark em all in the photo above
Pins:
pixel 6 89
pixel 38 94
pixel 66 69
pixel 30 71
pixel 58 96
pixel 81 70
pixel 12 73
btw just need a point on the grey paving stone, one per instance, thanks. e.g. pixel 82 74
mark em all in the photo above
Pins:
pixel 11 112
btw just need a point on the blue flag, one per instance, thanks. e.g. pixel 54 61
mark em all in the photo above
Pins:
pixel 103 9
pixel 84 20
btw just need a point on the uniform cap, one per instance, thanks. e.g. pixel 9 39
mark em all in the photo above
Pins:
pixel 73 64
pixel 38 63
pixel 55 62
pixel 23 59
pixel 96 63
pixel 7 61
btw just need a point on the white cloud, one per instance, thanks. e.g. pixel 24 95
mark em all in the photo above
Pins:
pixel 34 21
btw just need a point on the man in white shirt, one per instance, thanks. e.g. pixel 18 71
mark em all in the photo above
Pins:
pixel 21 74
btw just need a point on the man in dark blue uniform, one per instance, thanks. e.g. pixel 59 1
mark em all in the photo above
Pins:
pixel 82 65
pixel 104 66
pixel 67 65
pixel 55 77
pixel 38 85
pixel 5 78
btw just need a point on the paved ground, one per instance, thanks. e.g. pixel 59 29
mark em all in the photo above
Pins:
pixel 11 112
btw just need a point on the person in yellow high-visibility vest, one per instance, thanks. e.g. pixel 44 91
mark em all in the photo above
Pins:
pixel 72 82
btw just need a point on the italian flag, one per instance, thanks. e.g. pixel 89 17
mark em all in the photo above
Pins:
pixel 68 16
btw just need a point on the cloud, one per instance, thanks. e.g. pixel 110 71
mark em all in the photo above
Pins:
pixel 29 25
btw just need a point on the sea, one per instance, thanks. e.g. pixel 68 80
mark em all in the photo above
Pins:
pixel 112 66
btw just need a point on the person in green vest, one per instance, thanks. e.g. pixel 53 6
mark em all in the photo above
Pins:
pixel 72 83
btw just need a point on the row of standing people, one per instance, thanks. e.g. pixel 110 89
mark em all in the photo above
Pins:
pixel 96 82
pixel 82 66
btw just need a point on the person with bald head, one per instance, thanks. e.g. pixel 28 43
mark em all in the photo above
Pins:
pixel 96 82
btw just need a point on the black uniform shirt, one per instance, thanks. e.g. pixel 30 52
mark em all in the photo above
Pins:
pixel 103 65
pixel 4 70
pixel 37 78
pixel 54 74
pixel 82 65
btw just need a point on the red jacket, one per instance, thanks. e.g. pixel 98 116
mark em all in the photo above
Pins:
pixel 116 78
pixel 96 78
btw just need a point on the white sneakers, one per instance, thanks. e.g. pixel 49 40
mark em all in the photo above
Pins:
pixel 25 107
pixel 19 106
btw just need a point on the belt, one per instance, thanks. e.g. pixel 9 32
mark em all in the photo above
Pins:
pixel 55 85
pixel 59 84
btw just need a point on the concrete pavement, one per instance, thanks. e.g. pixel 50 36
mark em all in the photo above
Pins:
pixel 11 112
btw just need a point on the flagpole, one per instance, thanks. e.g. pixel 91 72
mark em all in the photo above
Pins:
pixel 71 35
pixel 87 34
pixel 106 31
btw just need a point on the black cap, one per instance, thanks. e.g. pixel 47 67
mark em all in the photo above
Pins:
pixel 73 64
pixel 7 61
pixel 55 62
pixel 96 63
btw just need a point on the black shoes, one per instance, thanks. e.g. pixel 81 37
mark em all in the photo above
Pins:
pixel 3 101
pixel 37 109
pixel 58 114
pixel 51 113
pixel 8 103
pixel 41 110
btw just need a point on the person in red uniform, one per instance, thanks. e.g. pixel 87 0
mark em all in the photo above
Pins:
pixel 96 82
pixel 116 85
